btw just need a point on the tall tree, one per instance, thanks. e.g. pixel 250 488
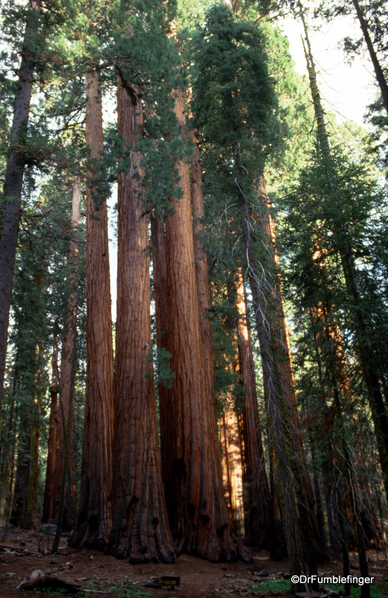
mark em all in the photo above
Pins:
pixel 371 18
pixel 258 504
pixel 95 516
pixel 10 209
pixel 363 328
pixel 198 514
pixel 138 498
pixel 242 99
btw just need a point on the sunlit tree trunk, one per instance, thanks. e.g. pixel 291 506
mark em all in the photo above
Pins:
pixel 232 467
pixel 140 526
pixel 94 518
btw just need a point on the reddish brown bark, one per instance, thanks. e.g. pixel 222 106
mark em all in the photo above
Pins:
pixel 94 519
pixel 201 272
pixel 232 467
pixel 285 377
pixel 198 513
pixel 62 413
pixel 161 316
pixel 140 529
pixel 258 511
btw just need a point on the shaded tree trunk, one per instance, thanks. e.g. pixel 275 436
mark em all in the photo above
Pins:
pixel 10 215
pixel 94 518
pixel 372 53
pixel 198 513
pixel 161 317
pixel 282 355
pixel 258 511
pixel 282 415
pixel 67 387
pixel 140 527
pixel 368 356
pixel 49 511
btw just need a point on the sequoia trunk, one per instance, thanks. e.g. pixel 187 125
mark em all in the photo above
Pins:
pixel 197 509
pixel 94 519
pixel 140 528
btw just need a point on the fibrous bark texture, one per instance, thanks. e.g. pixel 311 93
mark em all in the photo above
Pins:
pixel 258 507
pixel 140 527
pixel 68 366
pixel 61 431
pixel 198 513
pixel 285 377
pixel 281 414
pixel 94 518
pixel 232 467
pixel 201 272
pixel 10 213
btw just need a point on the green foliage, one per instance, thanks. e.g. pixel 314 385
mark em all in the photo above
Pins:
pixel 161 360
pixel 272 586
pixel 232 91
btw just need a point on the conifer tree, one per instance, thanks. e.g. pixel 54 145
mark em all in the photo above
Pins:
pixel 95 516
pixel 138 497
pixel 230 54
pixel 10 208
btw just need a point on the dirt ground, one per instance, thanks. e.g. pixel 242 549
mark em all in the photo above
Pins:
pixel 25 552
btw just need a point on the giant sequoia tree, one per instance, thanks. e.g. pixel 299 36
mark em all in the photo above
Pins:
pixel 95 515
pixel 138 497
pixel 234 85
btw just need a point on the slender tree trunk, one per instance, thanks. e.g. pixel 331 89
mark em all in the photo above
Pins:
pixel 94 518
pixel 161 316
pixel 298 527
pixel 10 209
pixel 67 388
pixel 48 515
pixel 258 524
pixel 367 354
pixel 140 528
pixel 197 509
pixel 372 53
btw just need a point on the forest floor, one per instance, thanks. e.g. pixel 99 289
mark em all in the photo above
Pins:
pixel 24 552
